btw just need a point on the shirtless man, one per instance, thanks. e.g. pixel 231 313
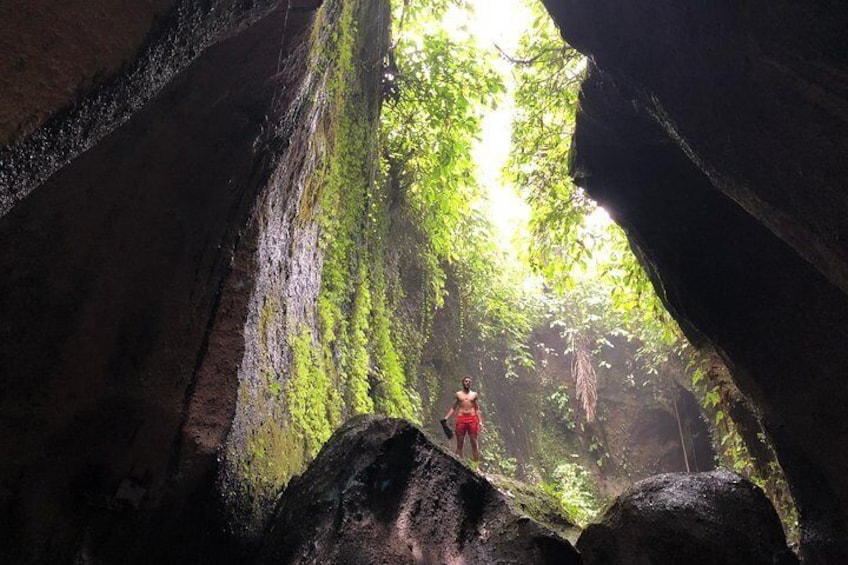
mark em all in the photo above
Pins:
pixel 469 418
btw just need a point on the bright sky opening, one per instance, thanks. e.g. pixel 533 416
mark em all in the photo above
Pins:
pixel 501 23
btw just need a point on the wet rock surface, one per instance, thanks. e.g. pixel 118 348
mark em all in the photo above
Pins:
pixel 79 70
pixel 381 493
pixel 716 135
pixel 697 519
pixel 124 288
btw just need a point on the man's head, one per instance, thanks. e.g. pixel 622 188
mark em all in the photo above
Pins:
pixel 466 384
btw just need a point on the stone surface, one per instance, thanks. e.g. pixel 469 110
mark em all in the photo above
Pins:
pixel 51 52
pixel 755 93
pixel 78 70
pixel 381 493
pixel 697 519
pixel 125 285
pixel 716 134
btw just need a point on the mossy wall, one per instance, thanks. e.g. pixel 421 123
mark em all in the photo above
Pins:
pixel 322 339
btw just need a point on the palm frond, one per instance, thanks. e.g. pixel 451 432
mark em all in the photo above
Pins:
pixel 585 378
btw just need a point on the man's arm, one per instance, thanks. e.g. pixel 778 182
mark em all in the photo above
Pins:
pixel 477 409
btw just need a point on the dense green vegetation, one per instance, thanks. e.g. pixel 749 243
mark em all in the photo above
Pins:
pixel 388 196
pixel 416 291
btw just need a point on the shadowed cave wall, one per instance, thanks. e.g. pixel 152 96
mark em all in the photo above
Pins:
pixel 717 135
pixel 135 278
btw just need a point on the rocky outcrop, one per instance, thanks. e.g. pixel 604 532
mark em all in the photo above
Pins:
pixel 50 53
pixel 131 290
pixel 716 134
pixel 380 492
pixel 754 94
pixel 77 71
pixel 697 519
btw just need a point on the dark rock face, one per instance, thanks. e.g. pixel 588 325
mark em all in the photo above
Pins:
pixel 50 52
pixel 83 94
pixel 754 93
pixel 717 135
pixel 697 519
pixel 381 493
pixel 118 276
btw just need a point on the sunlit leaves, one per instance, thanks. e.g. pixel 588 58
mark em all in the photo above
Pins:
pixel 547 72
pixel 568 251
pixel 500 313
pixel 443 85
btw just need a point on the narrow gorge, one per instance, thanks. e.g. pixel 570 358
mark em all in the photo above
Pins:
pixel 242 274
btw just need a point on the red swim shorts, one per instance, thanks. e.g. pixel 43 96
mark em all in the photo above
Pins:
pixel 467 424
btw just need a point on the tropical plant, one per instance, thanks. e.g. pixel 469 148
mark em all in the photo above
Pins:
pixel 573 487
pixel 443 85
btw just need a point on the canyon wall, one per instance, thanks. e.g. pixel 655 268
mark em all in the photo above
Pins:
pixel 717 135
pixel 160 229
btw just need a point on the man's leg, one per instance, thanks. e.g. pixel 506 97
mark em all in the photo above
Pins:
pixel 474 452
pixel 461 429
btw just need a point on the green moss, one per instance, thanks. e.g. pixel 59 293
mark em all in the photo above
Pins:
pixel 276 454
pixel 354 325
pixel 356 360
pixel 541 505
pixel 393 395
pixel 313 403
pixel 267 320
pixel 260 466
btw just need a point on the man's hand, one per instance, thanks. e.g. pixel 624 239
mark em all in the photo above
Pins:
pixel 446 428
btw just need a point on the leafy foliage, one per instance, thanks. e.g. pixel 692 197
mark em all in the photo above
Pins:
pixel 443 85
pixel 391 201
pixel 603 290
pixel 496 312
pixel 547 73
pixel 604 294
pixel 564 246
pixel 735 453
pixel 573 487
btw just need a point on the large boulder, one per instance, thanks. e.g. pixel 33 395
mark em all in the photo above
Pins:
pixel 699 518
pixel 381 492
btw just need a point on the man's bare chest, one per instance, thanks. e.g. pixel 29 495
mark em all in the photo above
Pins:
pixel 467 398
